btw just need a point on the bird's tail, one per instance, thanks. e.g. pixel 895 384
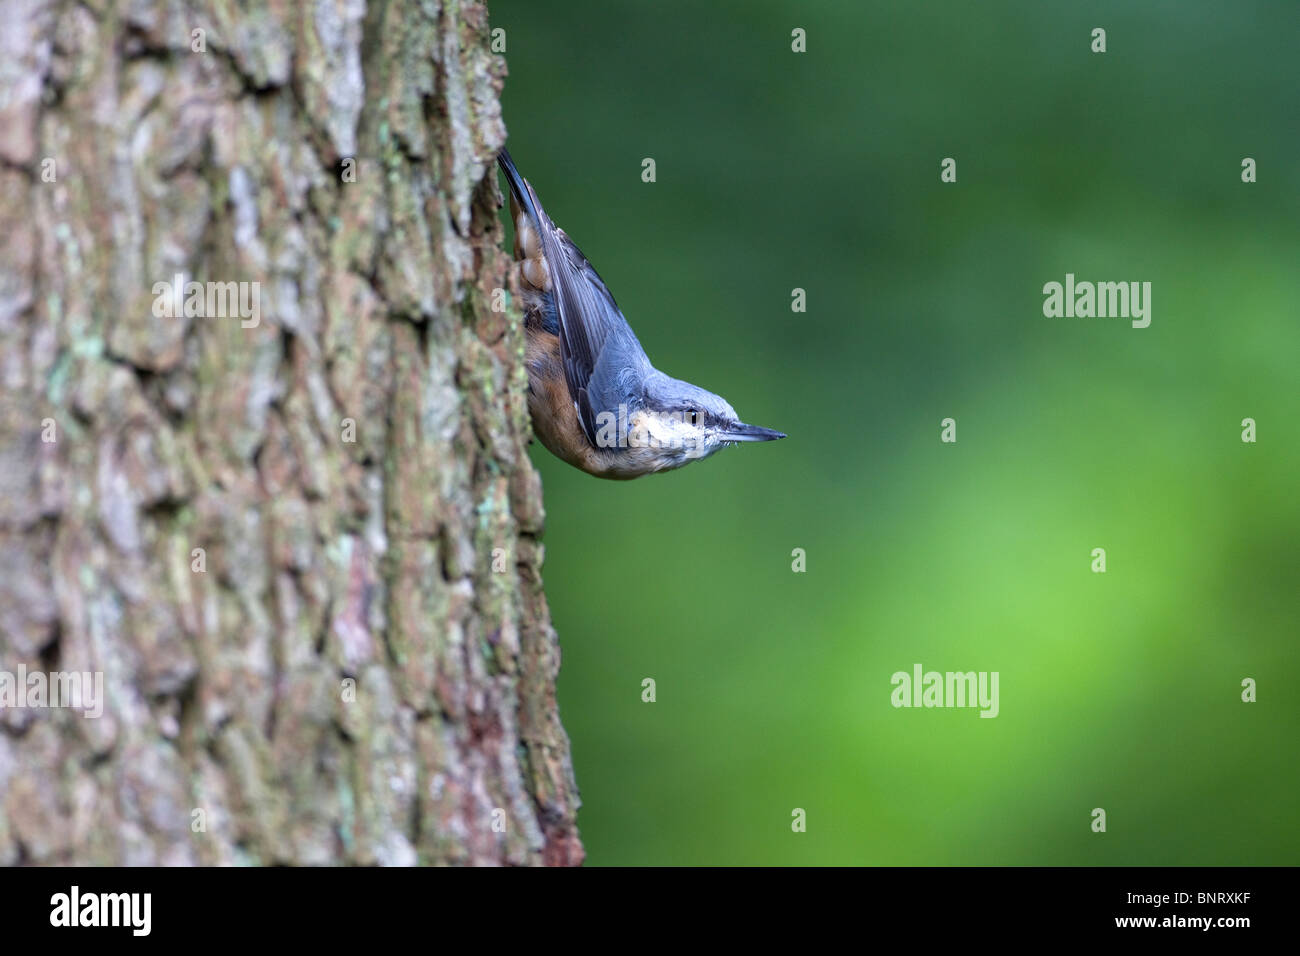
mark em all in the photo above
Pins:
pixel 519 187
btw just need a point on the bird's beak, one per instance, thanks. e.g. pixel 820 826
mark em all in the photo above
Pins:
pixel 742 432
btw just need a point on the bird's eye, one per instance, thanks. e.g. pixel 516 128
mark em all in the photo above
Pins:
pixel 692 416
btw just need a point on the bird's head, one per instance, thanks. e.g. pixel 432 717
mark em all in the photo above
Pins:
pixel 680 423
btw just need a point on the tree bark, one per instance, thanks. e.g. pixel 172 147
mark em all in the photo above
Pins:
pixel 318 645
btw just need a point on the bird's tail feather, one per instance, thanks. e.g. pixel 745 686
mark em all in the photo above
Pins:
pixel 523 193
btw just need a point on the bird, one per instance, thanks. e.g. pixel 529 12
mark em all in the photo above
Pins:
pixel 595 399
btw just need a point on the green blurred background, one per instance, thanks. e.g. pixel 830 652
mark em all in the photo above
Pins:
pixel 820 170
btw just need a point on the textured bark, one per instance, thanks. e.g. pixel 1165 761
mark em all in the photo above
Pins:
pixel 326 560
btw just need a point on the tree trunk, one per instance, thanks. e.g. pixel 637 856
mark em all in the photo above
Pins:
pixel 300 546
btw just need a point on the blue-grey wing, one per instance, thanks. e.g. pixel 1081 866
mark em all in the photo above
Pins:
pixel 604 363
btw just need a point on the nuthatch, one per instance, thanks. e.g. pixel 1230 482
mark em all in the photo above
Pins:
pixel 595 399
